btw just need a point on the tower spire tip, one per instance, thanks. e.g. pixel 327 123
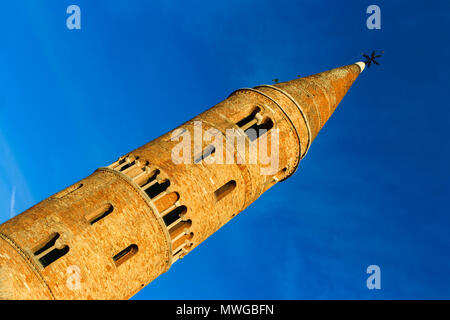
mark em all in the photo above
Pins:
pixel 361 65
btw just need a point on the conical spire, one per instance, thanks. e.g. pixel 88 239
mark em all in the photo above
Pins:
pixel 310 101
pixel 320 94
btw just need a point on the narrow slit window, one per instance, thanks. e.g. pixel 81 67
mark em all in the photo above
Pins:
pixel 209 150
pixel 257 130
pixel 128 165
pixel 125 254
pixel 174 215
pixel 68 191
pixel 100 213
pixel 249 120
pixel 224 190
pixel 157 188
pixel 148 179
pixel 53 255
pixel 180 228
pixel 145 176
pixel 47 244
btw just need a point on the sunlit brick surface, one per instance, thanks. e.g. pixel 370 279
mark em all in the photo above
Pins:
pixel 126 224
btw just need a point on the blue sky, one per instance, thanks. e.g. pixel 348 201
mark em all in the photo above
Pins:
pixel 374 188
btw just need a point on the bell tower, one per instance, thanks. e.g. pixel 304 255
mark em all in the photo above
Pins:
pixel 110 234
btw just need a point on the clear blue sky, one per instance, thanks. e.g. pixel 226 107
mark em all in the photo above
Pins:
pixel 374 188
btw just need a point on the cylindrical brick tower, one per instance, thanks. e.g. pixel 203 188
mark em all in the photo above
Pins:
pixel 112 233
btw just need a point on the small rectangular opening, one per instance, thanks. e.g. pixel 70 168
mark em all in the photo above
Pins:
pixel 157 188
pixel 68 191
pixel 209 150
pixel 47 244
pixel 174 215
pixel 249 119
pixel 125 254
pixel 53 255
pixel 224 190
pixel 99 213
pixel 131 162
pixel 125 167
pixel 180 228
pixel 144 177
pixel 257 130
